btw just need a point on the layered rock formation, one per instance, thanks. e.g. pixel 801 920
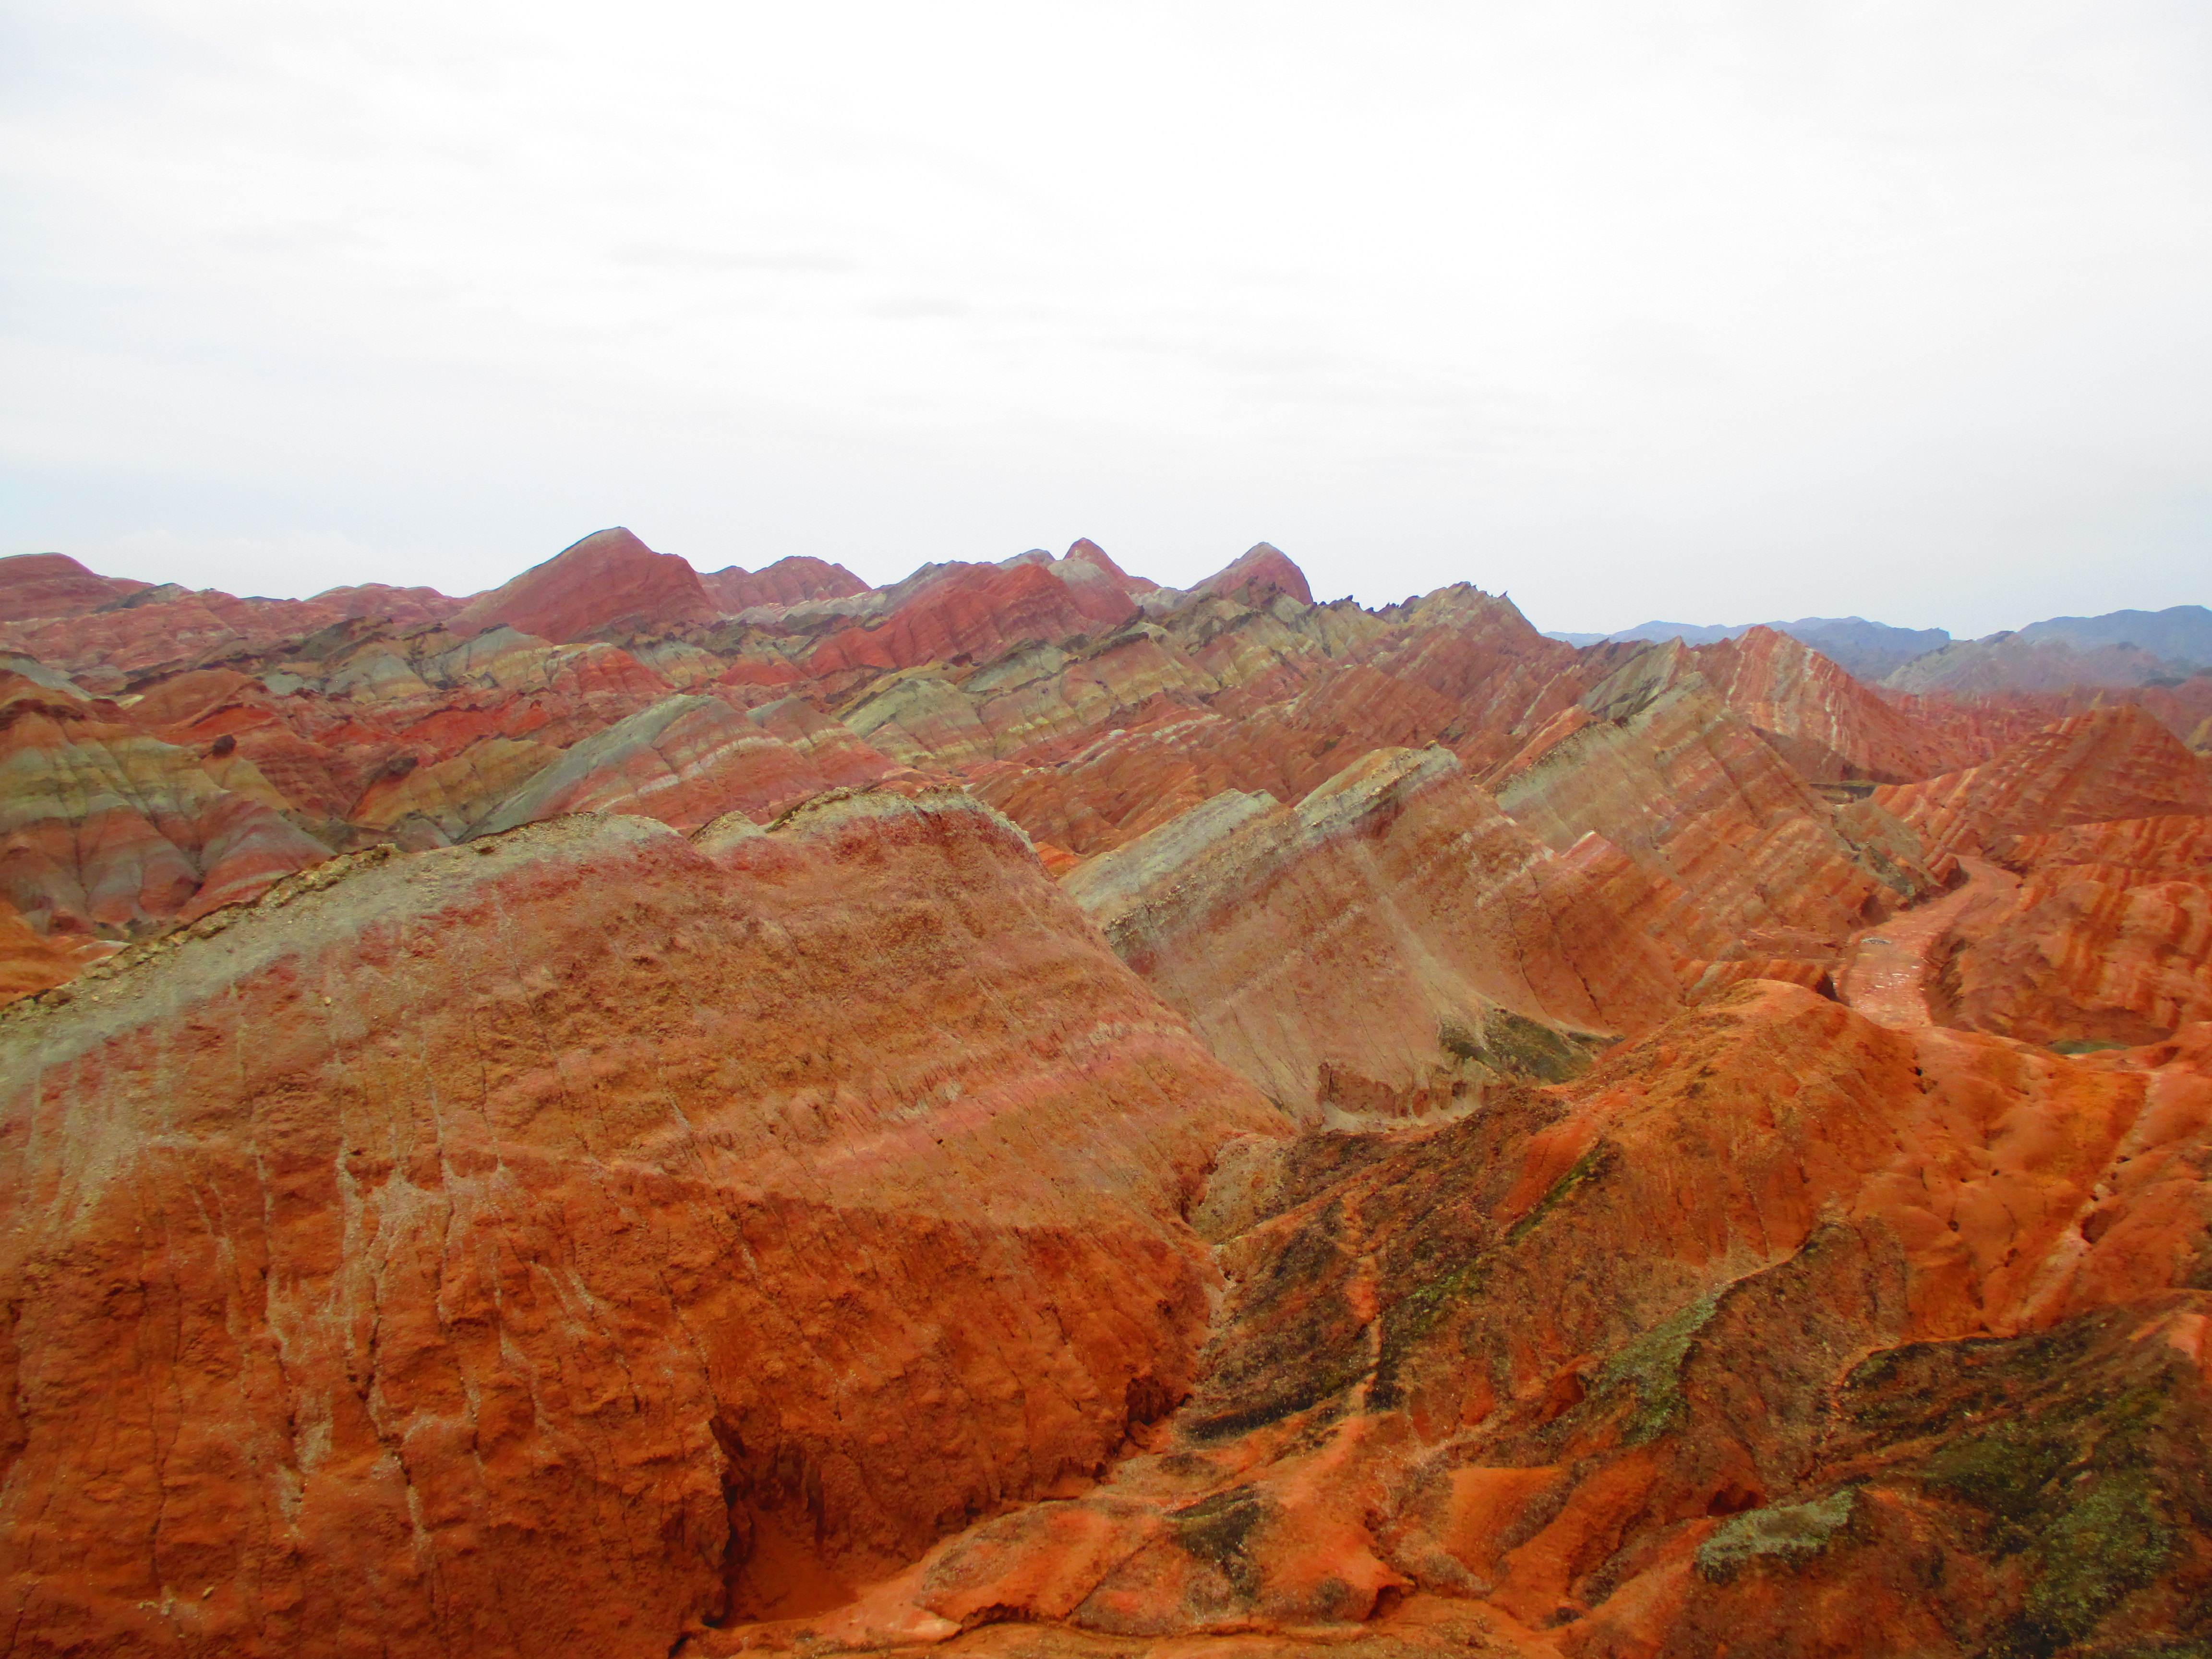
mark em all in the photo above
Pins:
pixel 376 602
pixel 609 580
pixel 1762 1338
pixel 2097 934
pixel 1752 861
pixel 686 760
pixel 1831 727
pixel 2084 953
pixel 786 582
pixel 605 1142
pixel 1477 952
pixel 102 828
pixel 162 630
pixel 31 962
pixel 969 611
pixel 2117 763
pixel 33 585
pixel 566 1240
pixel 1262 571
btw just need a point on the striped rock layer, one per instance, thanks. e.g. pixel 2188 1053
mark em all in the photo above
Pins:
pixel 1026 1112
pixel 509 1242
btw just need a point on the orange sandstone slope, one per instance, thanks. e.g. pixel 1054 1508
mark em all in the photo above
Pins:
pixel 1753 860
pixel 2105 938
pixel 568 1241
pixel 1829 726
pixel 2115 762
pixel 1781 1333
pixel 591 1239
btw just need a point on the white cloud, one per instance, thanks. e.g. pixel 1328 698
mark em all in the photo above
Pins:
pixel 1717 310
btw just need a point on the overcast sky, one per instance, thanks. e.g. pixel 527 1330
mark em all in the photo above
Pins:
pixel 1712 311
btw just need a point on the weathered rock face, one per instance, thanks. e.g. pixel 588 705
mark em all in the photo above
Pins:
pixel 1088 749
pixel 1782 1330
pixel 103 829
pixel 562 1240
pixel 608 581
pixel 536 1245
pixel 684 761
pixel 54 585
pixel 1831 727
pixel 1757 864
pixel 2106 938
pixel 404 605
pixel 1035 682
pixel 980 610
pixel 419 735
pixel 1089 552
pixel 2117 763
pixel 1390 945
pixel 30 962
pixel 2174 844
pixel 1262 571
pixel 2084 953
pixel 787 581
pixel 1988 722
pixel 162 630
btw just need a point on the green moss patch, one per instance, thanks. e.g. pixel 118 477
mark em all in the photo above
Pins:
pixel 2073 1451
pixel 1592 1165
pixel 1410 1319
pixel 1650 1368
pixel 1785 1533
pixel 1520 1047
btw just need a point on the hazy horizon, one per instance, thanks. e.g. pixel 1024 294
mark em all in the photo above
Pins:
pixel 1737 313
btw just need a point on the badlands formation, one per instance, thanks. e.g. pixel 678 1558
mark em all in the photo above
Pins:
pixel 1028 1113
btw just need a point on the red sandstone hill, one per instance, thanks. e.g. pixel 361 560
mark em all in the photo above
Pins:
pixel 660 1248
pixel 404 606
pixel 784 582
pixel 106 830
pixel 1830 726
pixel 2117 763
pixel 609 580
pixel 33 585
pixel 154 632
pixel 1405 1137
pixel 1743 1344
pixel 972 610
pixel 1091 554
pixel 1262 571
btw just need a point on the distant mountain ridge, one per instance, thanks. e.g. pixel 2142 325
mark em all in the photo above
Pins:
pixel 1869 649
pixel 2180 633
pixel 2121 647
